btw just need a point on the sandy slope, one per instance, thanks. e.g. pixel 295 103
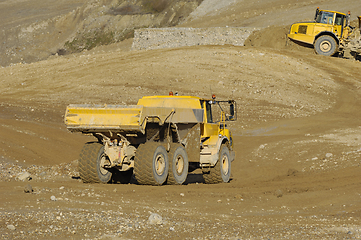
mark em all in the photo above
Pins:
pixel 264 13
pixel 297 139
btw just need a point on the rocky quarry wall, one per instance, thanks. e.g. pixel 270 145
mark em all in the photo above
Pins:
pixel 156 38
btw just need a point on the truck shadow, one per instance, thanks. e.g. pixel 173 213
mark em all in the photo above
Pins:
pixel 194 178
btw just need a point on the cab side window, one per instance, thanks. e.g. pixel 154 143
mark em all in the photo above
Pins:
pixel 209 112
pixel 339 19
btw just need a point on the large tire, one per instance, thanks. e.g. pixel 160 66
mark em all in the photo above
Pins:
pixel 90 161
pixel 151 164
pixel 326 45
pixel 178 164
pixel 221 172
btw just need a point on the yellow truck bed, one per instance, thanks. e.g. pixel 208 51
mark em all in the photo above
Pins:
pixel 107 117
pixel 118 118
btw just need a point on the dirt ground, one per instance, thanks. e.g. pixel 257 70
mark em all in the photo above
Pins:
pixel 297 139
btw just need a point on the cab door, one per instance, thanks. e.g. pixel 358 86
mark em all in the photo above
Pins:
pixel 209 127
pixel 339 23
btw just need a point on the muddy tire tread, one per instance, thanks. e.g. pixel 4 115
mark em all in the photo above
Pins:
pixel 143 165
pixel 214 175
pixel 171 179
pixel 87 165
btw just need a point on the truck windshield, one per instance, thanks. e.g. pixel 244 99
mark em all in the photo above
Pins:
pixel 324 17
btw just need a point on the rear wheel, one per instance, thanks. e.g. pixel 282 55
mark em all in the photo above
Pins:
pixel 178 164
pixel 151 164
pixel 326 45
pixel 91 161
pixel 221 172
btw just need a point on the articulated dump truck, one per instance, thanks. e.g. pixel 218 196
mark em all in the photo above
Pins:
pixel 161 138
pixel 330 33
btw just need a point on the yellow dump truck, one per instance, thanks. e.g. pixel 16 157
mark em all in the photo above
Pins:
pixel 160 138
pixel 330 33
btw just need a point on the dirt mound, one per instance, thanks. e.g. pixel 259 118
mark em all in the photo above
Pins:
pixel 261 14
pixel 275 37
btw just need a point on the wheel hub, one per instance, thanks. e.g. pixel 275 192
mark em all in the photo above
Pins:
pixel 179 163
pixel 225 165
pixel 325 46
pixel 160 164
pixel 103 162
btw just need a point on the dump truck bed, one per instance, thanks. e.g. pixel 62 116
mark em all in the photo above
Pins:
pixel 118 118
pixel 103 117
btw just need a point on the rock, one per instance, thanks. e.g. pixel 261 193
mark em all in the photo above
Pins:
pixel 28 188
pixel 262 146
pixel 278 193
pixel 238 196
pixel 11 227
pixel 328 155
pixel 148 38
pixel 53 198
pixel 292 172
pixel 155 219
pixel 24 176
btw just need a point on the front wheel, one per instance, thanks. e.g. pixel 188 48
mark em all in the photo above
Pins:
pixel 221 172
pixel 326 46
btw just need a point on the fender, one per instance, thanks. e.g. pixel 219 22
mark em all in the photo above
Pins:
pixel 209 155
pixel 327 33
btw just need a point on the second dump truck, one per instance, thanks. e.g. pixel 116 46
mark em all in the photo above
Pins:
pixel 160 138
pixel 330 33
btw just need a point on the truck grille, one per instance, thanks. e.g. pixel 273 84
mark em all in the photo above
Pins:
pixel 302 29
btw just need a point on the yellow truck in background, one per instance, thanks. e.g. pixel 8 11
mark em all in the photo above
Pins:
pixel 330 33
pixel 160 138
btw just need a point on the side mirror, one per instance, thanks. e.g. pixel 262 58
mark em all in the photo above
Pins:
pixel 317 12
pixel 232 110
